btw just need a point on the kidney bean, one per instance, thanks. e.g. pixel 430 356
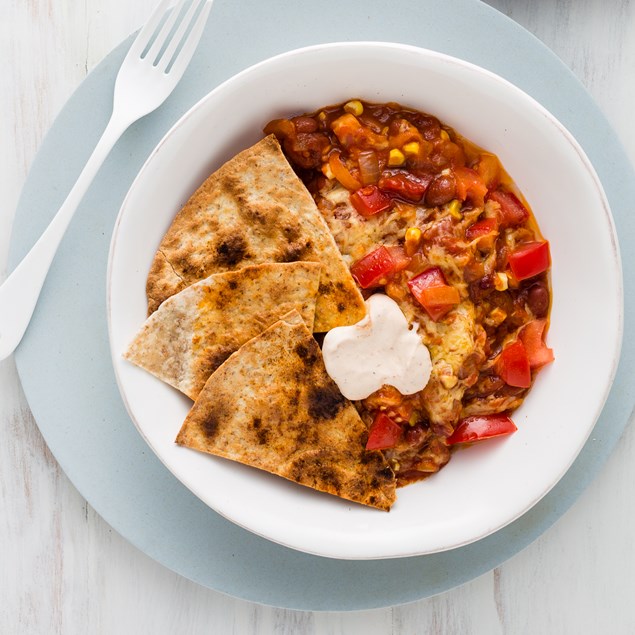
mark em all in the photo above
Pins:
pixel 305 149
pixel 428 125
pixel 489 385
pixel 416 436
pixel 538 300
pixel 480 289
pixel 305 124
pixel 441 191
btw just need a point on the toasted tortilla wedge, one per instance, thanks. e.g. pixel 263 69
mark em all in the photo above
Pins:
pixel 194 331
pixel 272 405
pixel 254 209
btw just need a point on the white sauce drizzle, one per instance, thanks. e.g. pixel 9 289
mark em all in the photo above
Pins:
pixel 378 350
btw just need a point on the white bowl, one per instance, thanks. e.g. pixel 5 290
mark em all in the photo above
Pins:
pixel 485 487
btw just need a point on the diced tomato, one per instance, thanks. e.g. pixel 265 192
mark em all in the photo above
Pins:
pixel 370 200
pixel 469 185
pixel 408 186
pixel 374 268
pixel 399 257
pixel 529 260
pixel 531 335
pixel 432 277
pixel 383 433
pixel 433 293
pixel 481 427
pixel 513 365
pixel 481 228
pixel 512 211
pixel 342 173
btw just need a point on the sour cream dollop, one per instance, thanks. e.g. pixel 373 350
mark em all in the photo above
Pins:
pixel 378 350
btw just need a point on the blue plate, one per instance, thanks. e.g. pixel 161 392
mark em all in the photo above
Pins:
pixel 64 360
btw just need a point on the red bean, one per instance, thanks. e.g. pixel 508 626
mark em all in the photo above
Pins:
pixel 305 124
pixel 305 149
pixel 538 300
pixel 416 436
pixel 428 125
pixel 441 191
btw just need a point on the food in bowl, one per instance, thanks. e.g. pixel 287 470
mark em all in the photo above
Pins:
pixel 402 208
pixel 428 218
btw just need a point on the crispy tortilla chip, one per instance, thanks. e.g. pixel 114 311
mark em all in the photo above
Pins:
pixel 271 405
pixel 254 209
pixel 195 331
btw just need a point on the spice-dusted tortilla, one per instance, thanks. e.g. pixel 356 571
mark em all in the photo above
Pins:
pixel 271 405
pixel 193 332
pixel 254 209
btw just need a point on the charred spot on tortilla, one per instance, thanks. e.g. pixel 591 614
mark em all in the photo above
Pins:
pixel 255 214
pixel 310 466
pixel 210 425
pixel 293 251
pixel 291 232
pixel 308 354
pixel 294 399
pixel 232 250
pixel 263 435
pixel 325 401
pixel 216 357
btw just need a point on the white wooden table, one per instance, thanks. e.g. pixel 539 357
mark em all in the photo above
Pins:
pixel 63 570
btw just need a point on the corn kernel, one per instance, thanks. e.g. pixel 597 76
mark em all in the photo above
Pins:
pixel 496 317
pixel 454 209
pixel 354 107
pixel 449 381
pixel 444 135
pixel 396 157
pixel 411 148
pixel 501 282
pixel 413 240
pixel 322 115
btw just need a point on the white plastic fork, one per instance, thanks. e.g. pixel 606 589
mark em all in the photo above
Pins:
pixel 143 84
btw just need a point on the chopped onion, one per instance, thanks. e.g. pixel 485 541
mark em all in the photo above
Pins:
pixel 368 167
pixel 342 173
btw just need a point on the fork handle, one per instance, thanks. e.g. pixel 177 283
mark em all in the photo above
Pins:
pixel 20 291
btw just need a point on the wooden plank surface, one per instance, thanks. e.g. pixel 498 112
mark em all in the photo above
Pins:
pixel 63 570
